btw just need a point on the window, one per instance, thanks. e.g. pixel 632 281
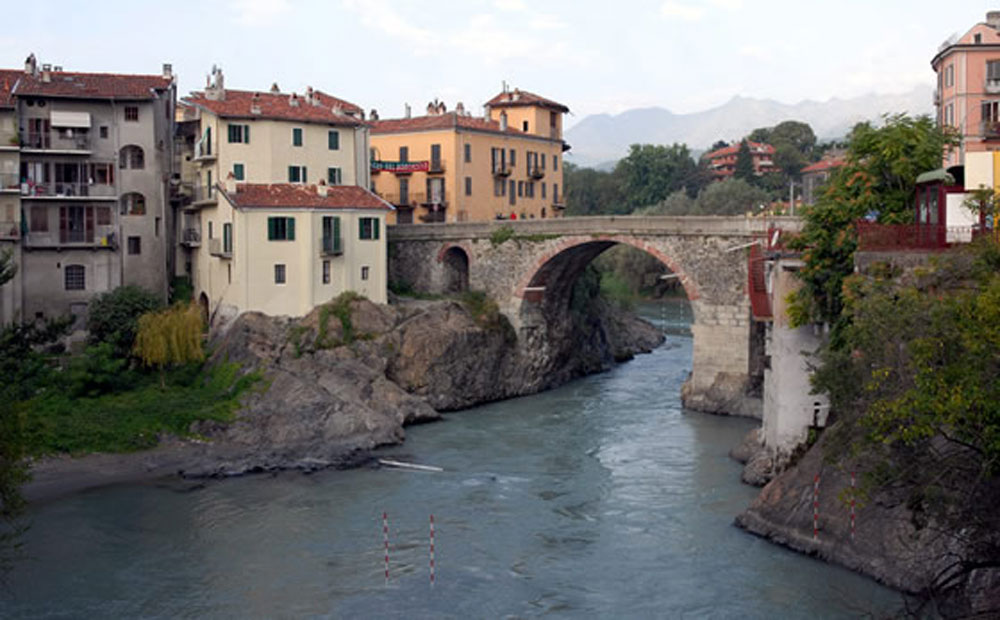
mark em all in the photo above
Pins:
pixel 993 72
pixel 104 216
pixel 543 188
pixel 555 163
pixel 524 126
pixel 498 160
pixel 75 278
pixel 368 228
pixel 555 193
pixel 404 153
pixel 238 172
pixel 239 134
pixel 102 173
pixel 404 191
pixel 468 186
pixel 156 225
pixel 104 132
pixel 229 273
pixel 949 115
pixel 39 220
pixel 520 189
pixel 297 174
pixel 991 111
pixel 326 272
pixel 435 157
pixel 210 235
pixel 949 75
pixel 333 140
pixel 513 158
pixel 135 245
pixel 279 274
pixel 498 187
pixel 281 229
pixel 977 38
pixel 529 189
pixel 132 113
pixel 132 157
pixel 296 136
pixel 364 272
pixel 333 176
pixel 513 192
pixel 331 234
pixel 468 153
pixel 133 203
pixel 227 237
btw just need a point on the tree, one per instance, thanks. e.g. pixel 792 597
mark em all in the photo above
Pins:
pixel 113 317
pixel 730 197
pixel 649 173
pixel 592 192
pixel 744 163
pixel 719 144
pixel 877 180
pixel 171 337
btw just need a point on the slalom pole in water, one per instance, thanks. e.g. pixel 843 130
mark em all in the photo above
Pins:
pixel 816 507
pixel 853 495
pixel 432 551
pixel 385 540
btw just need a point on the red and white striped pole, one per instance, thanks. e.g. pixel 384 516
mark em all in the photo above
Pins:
pixel 385 539
pixel 816 507
pixel 853 495
pixel 432 551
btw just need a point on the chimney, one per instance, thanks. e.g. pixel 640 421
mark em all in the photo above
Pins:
pixel 322 189
pixel 993 19
pixel 406 111
pixel 255 104
pixel 442 108
pixel 460 108
pixel 503 121
pixel 293 100
pixel 274 88
pixel 374 114
pixel 431 108
pixel 46 72
pixel 57 68
pixel 31 66
pixel 231 183
pixel 336 109
pixel 517 95
pixel 168 71
pixel 309 94
pixel 216 89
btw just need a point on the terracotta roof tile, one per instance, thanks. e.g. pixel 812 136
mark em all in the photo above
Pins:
pixel 91 85
pixel 8 79
pixel 734 148
pixel 825 164
pixel 294 195
pixel 518 97
pixel 279 106
pixel 448 120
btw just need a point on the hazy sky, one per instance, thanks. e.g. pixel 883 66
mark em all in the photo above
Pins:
pixel 684 55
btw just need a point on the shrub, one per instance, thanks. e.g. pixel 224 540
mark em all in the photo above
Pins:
pixel 114 316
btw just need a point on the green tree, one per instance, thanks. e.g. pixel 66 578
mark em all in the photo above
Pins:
pixel 877 180
pixel 744 164
pixel 730 197
pixel 650 173
pixel 677 203
pixel 114 316
pixel 592 192
pixel 171 337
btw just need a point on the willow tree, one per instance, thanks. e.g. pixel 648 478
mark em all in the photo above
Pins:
pixel 171 337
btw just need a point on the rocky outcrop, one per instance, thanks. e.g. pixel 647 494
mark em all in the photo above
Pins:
pixel 349 376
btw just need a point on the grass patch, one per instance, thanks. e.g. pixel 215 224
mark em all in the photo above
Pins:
pixel 502 235
pixel 55 422
pixel 405 289
pixel 485 312
pixel 537 237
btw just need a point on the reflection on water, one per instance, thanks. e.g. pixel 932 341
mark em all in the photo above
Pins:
pixel 599 499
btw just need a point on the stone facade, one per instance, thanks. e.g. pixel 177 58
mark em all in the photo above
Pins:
pixel 529 269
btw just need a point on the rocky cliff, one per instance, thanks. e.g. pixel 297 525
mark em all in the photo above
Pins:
pixel 349 376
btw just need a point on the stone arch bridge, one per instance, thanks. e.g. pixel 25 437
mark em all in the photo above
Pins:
pixel 529 267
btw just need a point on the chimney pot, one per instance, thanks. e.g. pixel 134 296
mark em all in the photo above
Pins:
pixel 374 114
pixel 993 19
pixel 168 70
pixel 406 111
pixel 31 65
pixel 322 189
pixel 274 88
pixel 503 121
pixel 230 183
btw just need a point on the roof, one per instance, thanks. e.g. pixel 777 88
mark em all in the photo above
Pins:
pixel 448 120
pixel 8 79
pixel 299 196
pixel 823 165
pixel 279 106
pixel 936 176
pixel 89 85
pixel 732 149
pixel 517 97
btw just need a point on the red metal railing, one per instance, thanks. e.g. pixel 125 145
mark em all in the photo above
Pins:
pixel 760 301
pixel 886 237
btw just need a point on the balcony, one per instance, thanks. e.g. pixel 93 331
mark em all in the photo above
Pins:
pixel 10 182
pixel 216 248
pixel 203 196
pixel 536 172
pixel 992 86
pixel 936 97
pixel 62 190
pixel 10 231
pixel 100 237
pixel 990 129
pixel 435 167
pixel 9 141
pixel 191 237
pixel 501 170
pixel 331 246
pixel 203 151
pixel 874 237
pixel 400 201
pixel 67 142
pixel 558 205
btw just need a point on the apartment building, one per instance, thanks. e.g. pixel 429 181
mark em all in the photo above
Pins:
pixel 456 167
pixel 722 162
pixel 815 175
pixel 284 248
pixel 260 137
pixel 93 159
pixel 967 97
pixel 10 200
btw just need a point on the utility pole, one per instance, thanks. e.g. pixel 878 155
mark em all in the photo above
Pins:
pixel 791 197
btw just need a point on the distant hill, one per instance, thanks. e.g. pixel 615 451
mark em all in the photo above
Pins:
pixel 602 138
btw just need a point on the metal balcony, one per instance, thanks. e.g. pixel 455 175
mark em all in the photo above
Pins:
pixel 63 190
pixel 10 182
pixel 191 237
pixel 501 170
pixel 435 167
pixel 536 172
pixel 216 248
pixel 989 129
pixel 67 142
pixel 203 196
pixel 331 246
pixel 992 86
pixel 10 231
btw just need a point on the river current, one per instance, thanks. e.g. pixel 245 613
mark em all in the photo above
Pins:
pixel 602 498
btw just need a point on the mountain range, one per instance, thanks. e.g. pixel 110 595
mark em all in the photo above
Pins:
pixel 600 139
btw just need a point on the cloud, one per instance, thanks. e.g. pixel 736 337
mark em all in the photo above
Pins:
pixel 259 12
pixel 380 15
pixel 685 12
pixel 510 5
pixel 757 52
pixel 730 5
pixel 546 22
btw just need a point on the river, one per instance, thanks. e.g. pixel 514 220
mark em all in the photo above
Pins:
pixel 602 498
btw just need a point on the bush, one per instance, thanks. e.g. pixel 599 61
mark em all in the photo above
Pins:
pixel 98 371
pixel 114 317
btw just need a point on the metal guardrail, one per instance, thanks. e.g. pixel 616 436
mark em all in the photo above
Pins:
pixel 874 237
pixel 331 246
pixel 10 230
pixel 55 140
pixel 10 181
pixel 191 237
pixel 62 189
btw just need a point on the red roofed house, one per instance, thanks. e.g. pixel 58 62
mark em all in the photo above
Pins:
pixel 722 162
pixel 86 198
pixel 815 175
pixel 455 167
pixel 285 248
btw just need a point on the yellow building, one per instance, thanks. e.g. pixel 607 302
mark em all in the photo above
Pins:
pixel 284 248
pixel 455 167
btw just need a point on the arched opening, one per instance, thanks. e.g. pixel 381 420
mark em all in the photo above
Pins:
pixel 203 306
pixel 133 203
pixel 456 270
pixel 131 157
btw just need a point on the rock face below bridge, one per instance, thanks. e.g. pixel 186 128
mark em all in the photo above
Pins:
pixel 329 401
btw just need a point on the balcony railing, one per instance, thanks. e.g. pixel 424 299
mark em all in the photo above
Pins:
pixel 98 237
pixel 990 129
pixel 501 170
pixel 331 246
pixel 874 237
pixel 216 248
pixel 435 167
pixel 422 199
pixel 9 139
pixel 405 201
pixel 202 195
pixel 992 86
pixel 10 182
pixel 10 230
pixel 69 140
pixel 63 189
pixel 191 237
pixel 536 172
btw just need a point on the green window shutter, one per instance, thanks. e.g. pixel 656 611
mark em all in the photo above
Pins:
pixel 246 134
pixel 238 171
pixel 305 179
pixel 333 140
pixel 375 222
pixel 290 228
pixel 232 133
pixel 296 136
pixel 336 233
pixel 292 173
pixel 271 224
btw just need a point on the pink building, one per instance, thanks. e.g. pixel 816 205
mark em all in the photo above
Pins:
pixel 968 88
pixel 722 162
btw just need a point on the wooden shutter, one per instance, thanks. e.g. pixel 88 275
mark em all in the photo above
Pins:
pixel 271 225
pixel 246 134
pixel 375 222
pixel 88 224
pixel 305 179
pixel 290 228
pixel 63 225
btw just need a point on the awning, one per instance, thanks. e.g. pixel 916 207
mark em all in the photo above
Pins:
pixel 936 176
pixel 70 119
